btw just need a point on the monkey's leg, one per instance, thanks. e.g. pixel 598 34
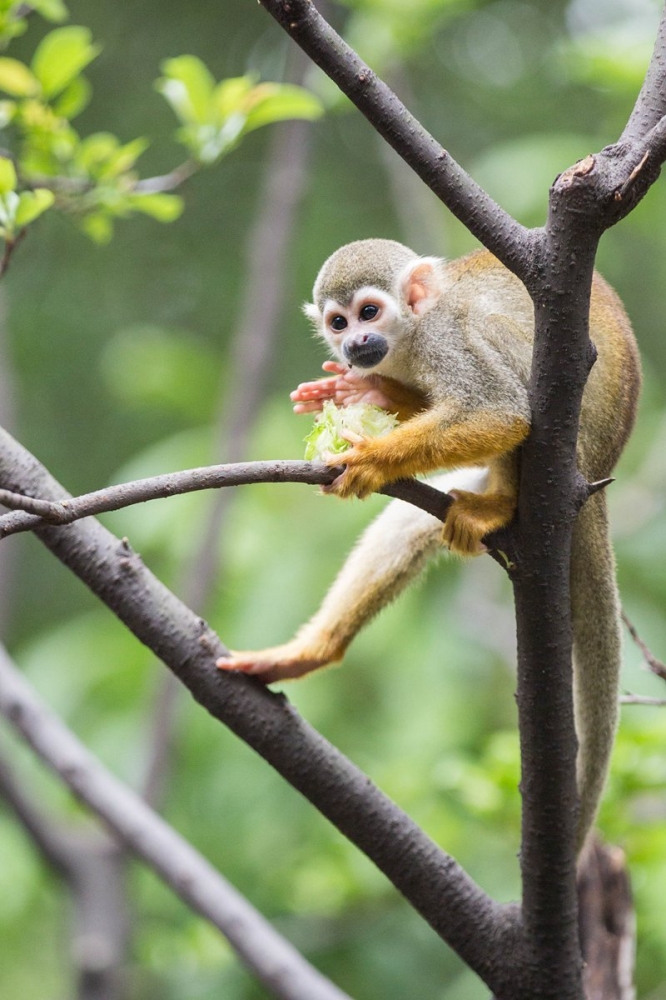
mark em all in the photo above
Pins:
pixel 472 516
pixel 389 554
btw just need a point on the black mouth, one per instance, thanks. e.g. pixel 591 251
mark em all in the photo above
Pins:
pixel 368 353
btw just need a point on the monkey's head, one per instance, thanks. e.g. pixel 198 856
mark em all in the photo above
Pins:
pixel 368 296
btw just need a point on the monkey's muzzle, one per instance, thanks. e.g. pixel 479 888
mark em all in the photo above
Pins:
pixel 365 351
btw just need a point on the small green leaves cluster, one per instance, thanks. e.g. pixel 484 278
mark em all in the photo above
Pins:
pixel 216 116
pixel 19 210
pixel 94 178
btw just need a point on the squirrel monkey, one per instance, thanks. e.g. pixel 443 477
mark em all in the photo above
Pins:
pixel 448 346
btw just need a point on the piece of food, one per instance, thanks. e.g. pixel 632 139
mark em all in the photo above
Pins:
pixel 361 419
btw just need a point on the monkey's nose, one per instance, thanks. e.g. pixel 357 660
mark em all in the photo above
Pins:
pixel 366 350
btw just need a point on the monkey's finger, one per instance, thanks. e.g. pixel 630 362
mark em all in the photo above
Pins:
pixel 312 407
pixel 313 390
pixel 335 366
pixel 352 437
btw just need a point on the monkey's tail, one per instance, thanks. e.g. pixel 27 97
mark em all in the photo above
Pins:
pixel 597 654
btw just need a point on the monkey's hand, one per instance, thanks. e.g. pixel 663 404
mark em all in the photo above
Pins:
pixel 471 516
pixel 365 470
pixel 347 388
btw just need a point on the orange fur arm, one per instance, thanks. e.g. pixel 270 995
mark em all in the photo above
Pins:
pixel 433 440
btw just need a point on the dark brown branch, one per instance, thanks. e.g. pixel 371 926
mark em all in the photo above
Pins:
pixel 29 513
pixel 508 240
pixel 651 102
pixel 275 962
pixel 482 932
pixel 607 923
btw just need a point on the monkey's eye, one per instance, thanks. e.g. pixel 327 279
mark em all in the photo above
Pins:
pixel 369 311
pixel 338 323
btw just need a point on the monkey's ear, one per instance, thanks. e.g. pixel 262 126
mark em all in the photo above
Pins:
pixel 312 313
pixel 421 284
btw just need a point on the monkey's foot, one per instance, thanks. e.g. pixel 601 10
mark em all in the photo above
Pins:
pixel 471 516
pixel 279 663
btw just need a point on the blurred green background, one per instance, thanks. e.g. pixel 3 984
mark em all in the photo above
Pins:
pixel 119 359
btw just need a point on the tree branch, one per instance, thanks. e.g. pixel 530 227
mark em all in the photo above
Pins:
pixel 275 962
pixel 29 513
pixel 43 830
pixel 484 218
pixel 651 102
pixel 485 934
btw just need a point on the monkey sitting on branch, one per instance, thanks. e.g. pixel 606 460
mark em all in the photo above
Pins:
pixel 448 347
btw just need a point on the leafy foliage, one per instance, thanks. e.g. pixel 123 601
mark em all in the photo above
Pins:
pixel 94 178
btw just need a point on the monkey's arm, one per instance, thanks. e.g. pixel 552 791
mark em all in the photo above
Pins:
pixel 442 437
pixel 392 551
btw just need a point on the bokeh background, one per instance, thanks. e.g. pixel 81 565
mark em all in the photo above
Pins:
pixel 123 360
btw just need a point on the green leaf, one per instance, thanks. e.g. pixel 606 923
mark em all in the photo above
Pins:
pixel 61 56
pixel 7 112
pixel 333 421
pixel 282 101
pixel 163 207
pixel 229 96
pixel 74 98
pixel 52 10
pixel 8 205
pixel 7 175
pixel 16 79
pixel 95 150
pixel 98 227
pixel 31 204
pixel 188 87
pixel 123 158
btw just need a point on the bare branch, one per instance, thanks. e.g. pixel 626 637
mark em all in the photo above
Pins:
pixel 42 828
pixel 30 513
pixel 275 962
pixel 10 247
pixel 651 102
pixel 167 182
pixel 607 923
pixel 641 699
pixel 480 930
pixel 497 230
pixel 655 665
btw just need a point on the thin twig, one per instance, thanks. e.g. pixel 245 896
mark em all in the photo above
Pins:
pixel 208 477
pixel 655 665
pixel 640 699
pixel 10 247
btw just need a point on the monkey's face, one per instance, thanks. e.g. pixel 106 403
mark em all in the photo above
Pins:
pixel 362 332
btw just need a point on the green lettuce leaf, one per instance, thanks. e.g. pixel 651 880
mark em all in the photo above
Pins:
pixel 360 418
